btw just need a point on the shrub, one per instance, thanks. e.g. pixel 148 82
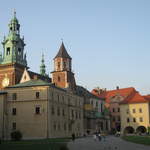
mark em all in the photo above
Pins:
pixel 16 135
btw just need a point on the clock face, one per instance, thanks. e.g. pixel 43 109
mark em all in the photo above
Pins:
pixel 5 82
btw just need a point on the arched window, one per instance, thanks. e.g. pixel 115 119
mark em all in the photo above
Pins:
pixel 8 51
pixel 58 65
pixel 64 64
pixel 19 51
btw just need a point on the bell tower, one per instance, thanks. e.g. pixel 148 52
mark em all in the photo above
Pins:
pixel 12 60
pixel 62 75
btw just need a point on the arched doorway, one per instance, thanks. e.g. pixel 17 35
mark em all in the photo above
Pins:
pixel 129 129
pixel 141 129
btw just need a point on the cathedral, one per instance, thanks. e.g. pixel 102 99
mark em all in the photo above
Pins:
pixel 37 105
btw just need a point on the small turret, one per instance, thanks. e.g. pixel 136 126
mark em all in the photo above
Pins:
pixel 14 26
pixel 42 66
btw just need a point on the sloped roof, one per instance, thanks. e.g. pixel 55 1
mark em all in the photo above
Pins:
pixel 134 98
pixel 109 94
pixel 31 83
pixel 81 91
pixel 147 97
pixel 36 82
pixel 62 52
pixel 39 76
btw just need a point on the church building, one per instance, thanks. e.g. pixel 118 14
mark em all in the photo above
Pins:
pixel 33 103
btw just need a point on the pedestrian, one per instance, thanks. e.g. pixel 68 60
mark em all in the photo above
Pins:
pixel 99 137
pixel 73 137
pixel 94 136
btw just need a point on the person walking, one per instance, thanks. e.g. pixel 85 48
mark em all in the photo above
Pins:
pixel 99 137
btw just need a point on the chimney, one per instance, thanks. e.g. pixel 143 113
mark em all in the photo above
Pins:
pixel 117 87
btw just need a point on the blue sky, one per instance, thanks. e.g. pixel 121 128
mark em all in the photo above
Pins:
pixel 109 40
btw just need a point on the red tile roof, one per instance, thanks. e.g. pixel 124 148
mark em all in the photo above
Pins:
pixel 108 94
pixel 147 97
pixel 134 98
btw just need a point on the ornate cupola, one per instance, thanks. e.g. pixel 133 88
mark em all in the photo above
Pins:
pixel 62 75
pixel 42 66
pixel 13 44
pixel 12 60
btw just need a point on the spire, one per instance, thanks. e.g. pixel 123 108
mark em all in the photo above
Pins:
pixel 14 13
pixel 62 52
pixel 14 25
pixel 42 67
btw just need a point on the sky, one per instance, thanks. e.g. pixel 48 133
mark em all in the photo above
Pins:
pixel 108 40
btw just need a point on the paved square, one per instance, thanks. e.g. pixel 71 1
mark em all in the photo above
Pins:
pixel 111 143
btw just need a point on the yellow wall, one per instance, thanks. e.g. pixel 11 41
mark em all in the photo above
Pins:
pixel 137 115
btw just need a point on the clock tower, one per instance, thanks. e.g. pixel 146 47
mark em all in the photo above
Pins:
pixel 12 60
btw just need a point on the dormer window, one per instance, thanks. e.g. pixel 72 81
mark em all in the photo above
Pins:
pixel 8 51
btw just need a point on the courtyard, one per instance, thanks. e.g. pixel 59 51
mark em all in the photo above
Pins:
pixel 111 143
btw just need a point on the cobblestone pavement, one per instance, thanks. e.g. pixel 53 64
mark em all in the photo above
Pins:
pixel 111 143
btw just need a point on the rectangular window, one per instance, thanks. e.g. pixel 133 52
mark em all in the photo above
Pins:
pixel 134 119
pixel 127 111
pixel 118 118
pixel 55 126
pixel 113 110
pixel 58 97
pixel 52 96
pixel 37 95
pixel 96 104
pixel 14 111
pixel 140 110
pixel 14 96
pixel 72 112
pixel 37 110
pixel 128 120
pixel 53 110
pixel 58 111
pixel 79 115
pixel 76 115
pixel 133 111
pixel 141 119
pixel 63 112
pixel 14 125
pixel 118 109
pixel 63 101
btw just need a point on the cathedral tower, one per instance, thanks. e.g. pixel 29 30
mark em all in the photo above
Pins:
pixel 13 60
pixel 62 75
